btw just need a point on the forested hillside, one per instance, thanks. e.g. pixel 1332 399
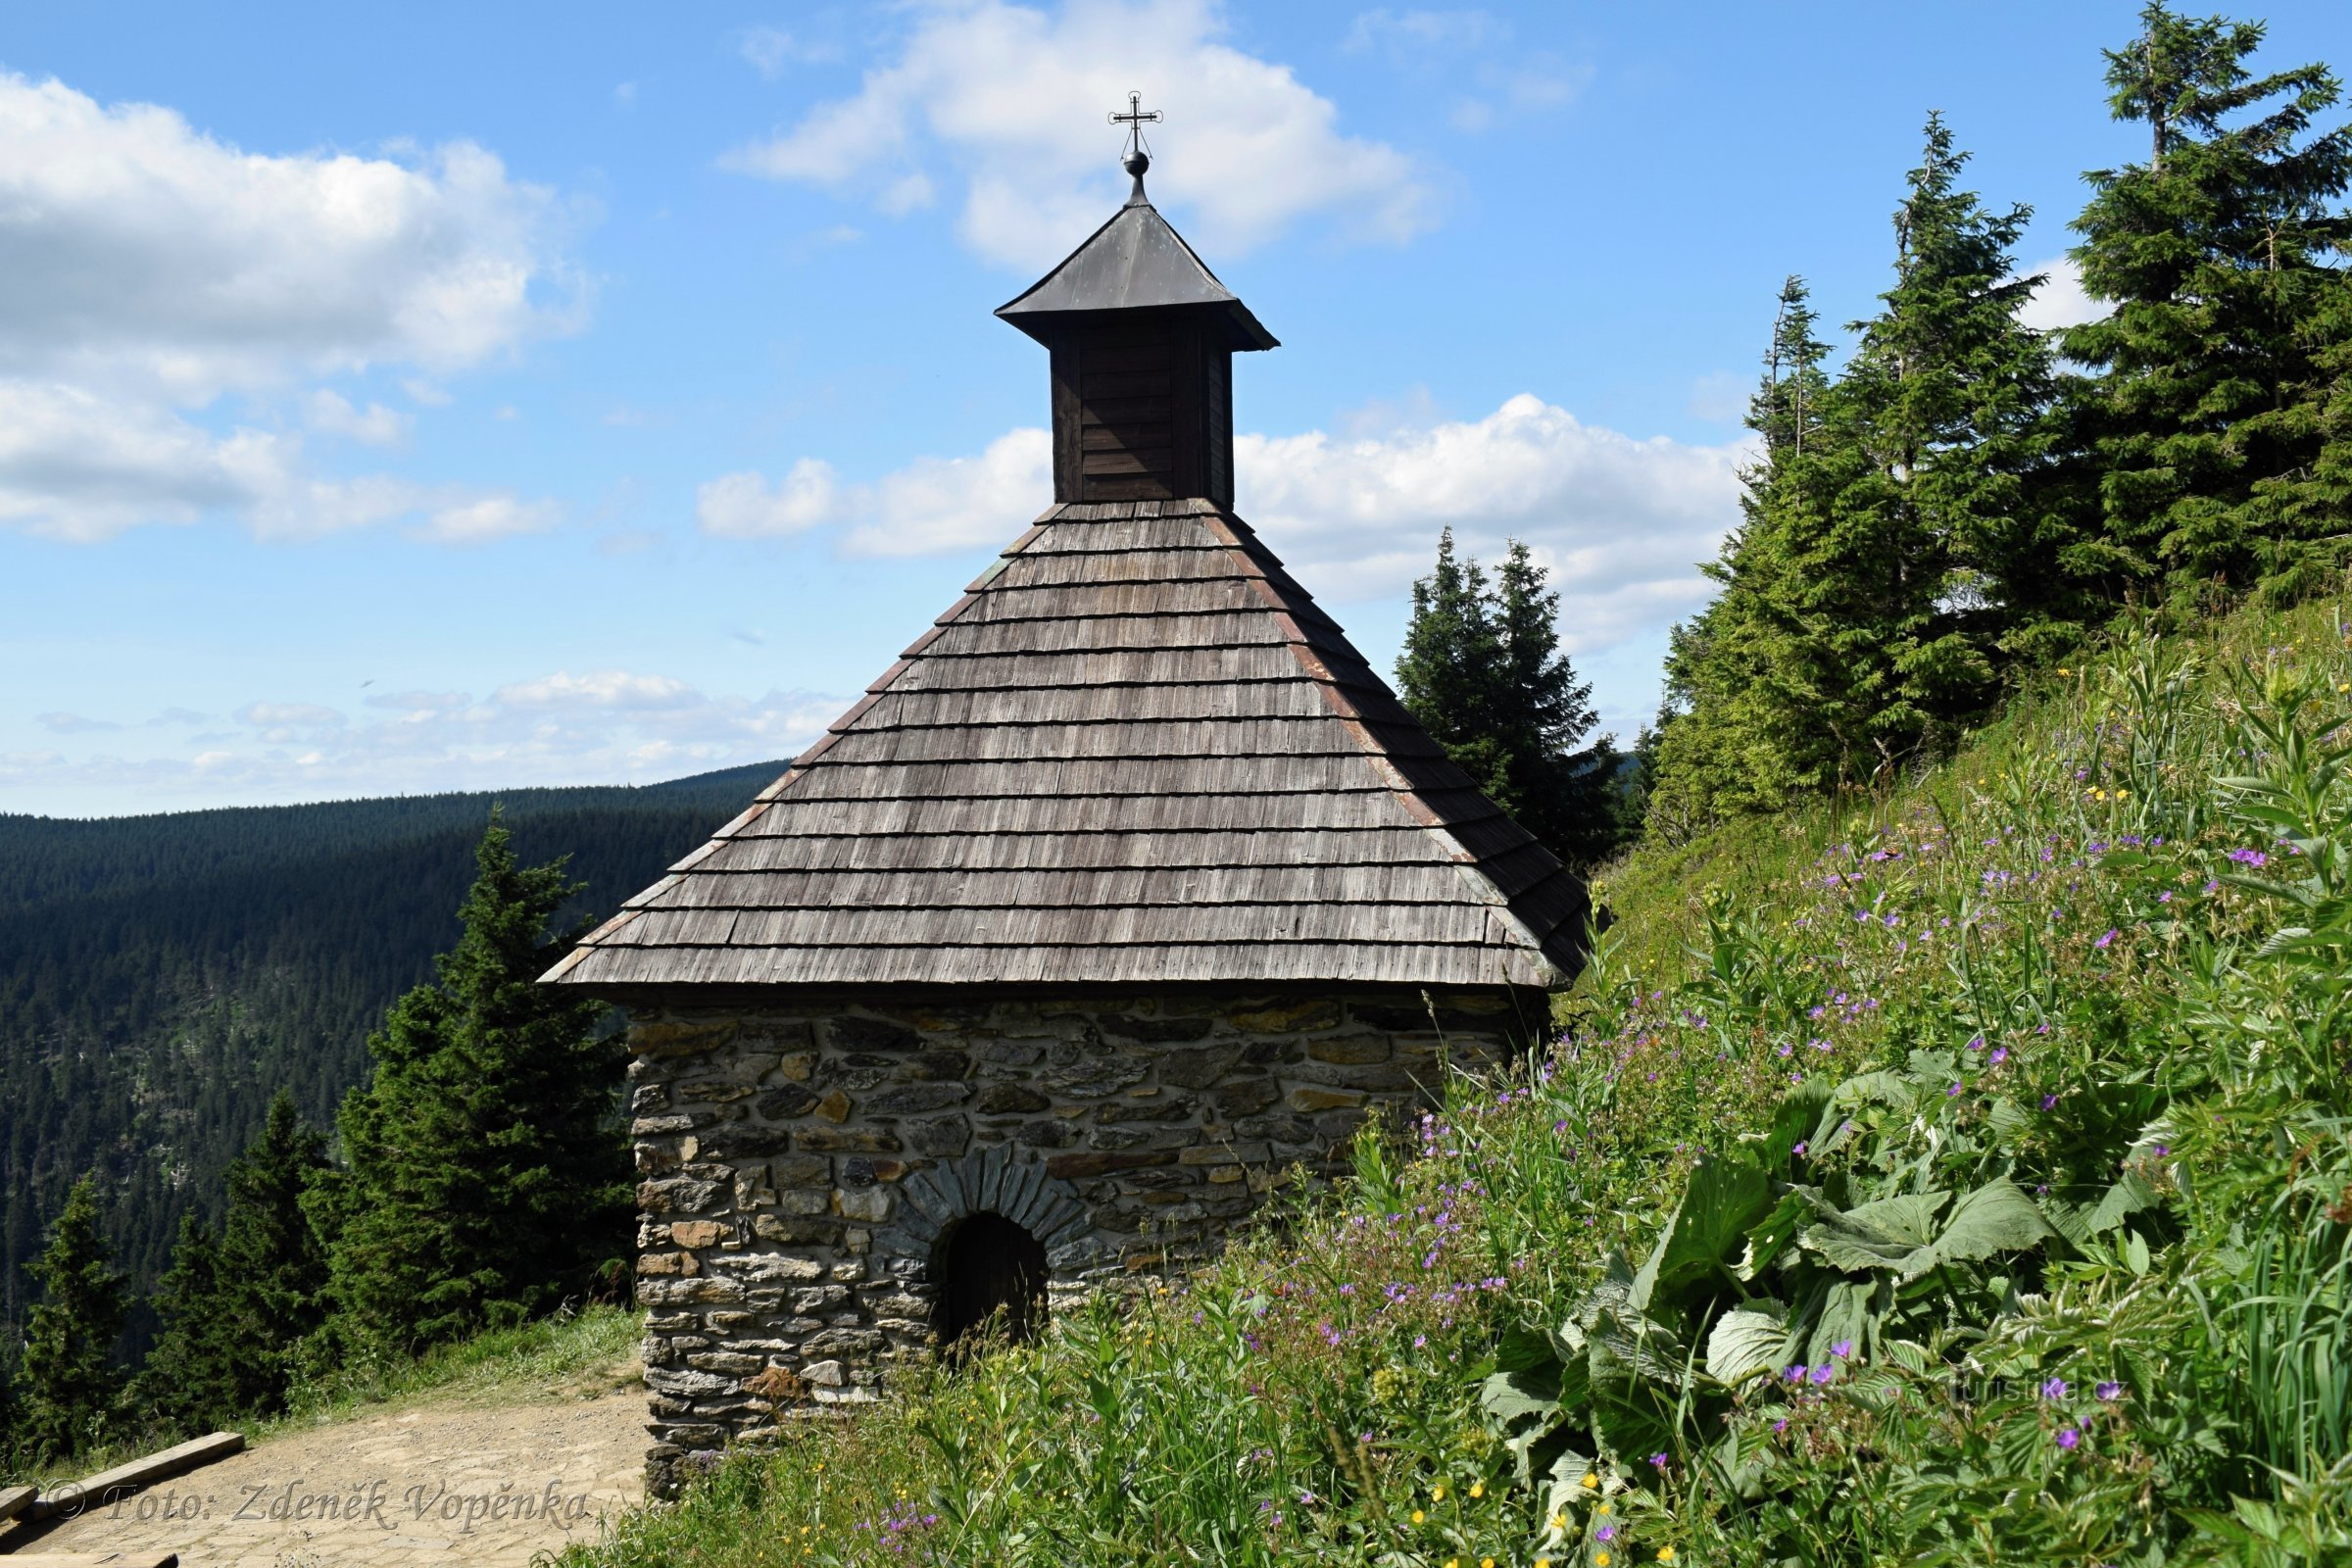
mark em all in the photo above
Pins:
pixel 162 976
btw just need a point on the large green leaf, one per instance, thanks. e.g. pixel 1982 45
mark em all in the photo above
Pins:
pixel 1882 1234
pixel 1998 1217
pixel 1522 1408
pixel 1749 1339
pixel 1907 1218
pixel 1703 1239
pixel 1770 1236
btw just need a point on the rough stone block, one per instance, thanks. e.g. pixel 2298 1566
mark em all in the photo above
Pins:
pixel 1073 1166
pixel 1312 1098
pixel 1286 1017
pixel 870 1033
pixel 1009 1099
pixel 1350 1047
pixel 938 1136
pixel 919 1097
pixel 846 1139
pixel 698 1232
pixel 780 1104
pixel 680 1037
pixel 1156 1031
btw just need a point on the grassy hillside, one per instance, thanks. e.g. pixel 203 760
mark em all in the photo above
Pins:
pixel 1960 1179
pixel 162 976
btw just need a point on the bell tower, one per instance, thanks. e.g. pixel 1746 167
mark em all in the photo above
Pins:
pixel 1142 337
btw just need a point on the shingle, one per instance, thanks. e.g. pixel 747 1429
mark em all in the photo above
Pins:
pixel 1135 751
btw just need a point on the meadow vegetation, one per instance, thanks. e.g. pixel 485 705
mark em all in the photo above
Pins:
pixel 1961 1175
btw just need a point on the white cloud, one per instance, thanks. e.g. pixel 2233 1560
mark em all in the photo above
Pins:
pixel 1010 99
pixel 141 254
pixel 1434 46
pixel 483 518
pixel 1410 35
pixel 552 730
pixel 741 506
pixel 152 270
pixel 2061 301
pixel 768 50
pixel 75 724
pixel 955 503
pixel 376 426
pixel 608 688
pixel 1621 522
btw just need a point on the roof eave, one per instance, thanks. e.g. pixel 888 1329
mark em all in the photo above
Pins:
pixel 1245 334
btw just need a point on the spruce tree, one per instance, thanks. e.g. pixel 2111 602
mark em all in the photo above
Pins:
pixel 2220 357
pixel 238 1306
pixel 73 1387
pixel 1483 671
pixel 189 1380
pixel 273 1264
pixel 1744 725
pixel 1903 534
pixel 485 1176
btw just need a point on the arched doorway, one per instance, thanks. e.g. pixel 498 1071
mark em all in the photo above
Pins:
pixel 984 1264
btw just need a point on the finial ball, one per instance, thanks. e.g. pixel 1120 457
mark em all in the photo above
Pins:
pixel 1136 163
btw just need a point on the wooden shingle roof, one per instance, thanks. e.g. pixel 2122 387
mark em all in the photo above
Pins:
pixel 1135 751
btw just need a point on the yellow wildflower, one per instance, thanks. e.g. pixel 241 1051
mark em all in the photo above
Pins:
pixel 1592 1480
pixel 1665 1554
pixel 1478 1489
pixel 1437 1493
pixel 1453 1562
pixel 1559 1521
pixel 1603 1508
pixel 1602 1558
pixel 1420 1517
pixel 1485 1562
pixel 1543 1562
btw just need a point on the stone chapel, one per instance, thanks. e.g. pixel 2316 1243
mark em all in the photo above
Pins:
pixel 1129 887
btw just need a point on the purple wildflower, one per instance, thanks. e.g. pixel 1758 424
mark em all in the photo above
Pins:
pixel 2049 1101
pixel 1949 1093
pixel 2109 1392
pixel 1795 1374
pixel 2249 857
pixel 1822 1373
pixel 2112 934
pixel 2069 1437
pixel 1842 1349
pixel 1657 1462
pixel 2055 1388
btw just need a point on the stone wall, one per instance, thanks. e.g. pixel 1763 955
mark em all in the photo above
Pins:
pixel 799 1164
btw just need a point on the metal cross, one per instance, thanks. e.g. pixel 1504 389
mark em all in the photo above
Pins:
pixel 1134 119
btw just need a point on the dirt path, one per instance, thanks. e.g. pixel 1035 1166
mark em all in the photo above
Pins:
pixel 481 1482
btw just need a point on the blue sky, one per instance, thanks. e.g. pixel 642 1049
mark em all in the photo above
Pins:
pixel 453 395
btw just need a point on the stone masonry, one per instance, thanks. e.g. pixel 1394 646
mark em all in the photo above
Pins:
pixel 799 1165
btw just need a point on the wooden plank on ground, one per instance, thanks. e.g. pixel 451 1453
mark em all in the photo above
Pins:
pixel 14 1500
pixel 125 1479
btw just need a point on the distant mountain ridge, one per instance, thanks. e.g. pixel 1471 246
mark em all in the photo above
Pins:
pixel 160 976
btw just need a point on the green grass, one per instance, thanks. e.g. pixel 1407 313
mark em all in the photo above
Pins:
pixel 2050 971
pixel 580 1356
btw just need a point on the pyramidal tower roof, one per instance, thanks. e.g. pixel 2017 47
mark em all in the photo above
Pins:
pixel 1133 262
pixel 1135 751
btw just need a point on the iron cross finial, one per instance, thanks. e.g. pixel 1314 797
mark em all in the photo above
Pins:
pixel 1135 119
